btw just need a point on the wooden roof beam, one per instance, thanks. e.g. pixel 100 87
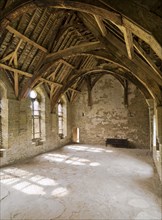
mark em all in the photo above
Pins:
pixel 78 49
pixel 129 42
pixel 116 48
pixel 94 7
pixel 29 75
pixel 60 61
pixel 126 75
pixel 5 4
pixel 146 29
pixel 145 36
pixel 147 25
pixel 127 35
pixel 140 69
pixel 16 84
pixel 14 55
pixel 26 39
pixel 67 63
pixel 147 58
pixel 101 25
pixel 24 33
pixel 97 79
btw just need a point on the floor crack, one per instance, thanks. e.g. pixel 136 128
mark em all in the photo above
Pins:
pixel 5 196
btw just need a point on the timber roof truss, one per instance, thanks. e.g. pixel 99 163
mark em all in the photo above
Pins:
pixel 61 45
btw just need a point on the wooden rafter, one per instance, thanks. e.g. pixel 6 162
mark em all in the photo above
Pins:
pixel 25 31
pixel 141 70
pixel 53 73
pixel 101 25
pixel 125 75
pixel 143 25
pixel 147 58
pixel 144 35
pixel 59 92
pixel 12 38
pixel 118 74
pixel 29 75
pixel 140 78
pixel 61 74
pixel 67 63
pixel 67 40
pixel 16 83
pixel 38 39
pixel 49 62
pixel 12 57
pixel 84 6
pixel 3 35
pixel 5 4
pixel 155 81
pixel 95 80
pixel 40 35
pixel 37 53
pixel 39 22
pixel 78 49
pixel 30 22
pixel 78 85
pixel 8 57
pixel 129 42
pixel 26 39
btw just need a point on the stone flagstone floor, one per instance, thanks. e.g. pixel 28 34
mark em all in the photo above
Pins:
pixel 82 182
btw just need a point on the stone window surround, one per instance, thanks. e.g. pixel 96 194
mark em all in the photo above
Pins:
pixel 64 117
pixel 41 99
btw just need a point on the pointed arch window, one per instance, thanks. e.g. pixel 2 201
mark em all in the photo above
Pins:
pixel 62 119
pixel 36 116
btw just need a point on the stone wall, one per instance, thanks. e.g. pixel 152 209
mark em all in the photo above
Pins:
pixel 109 117
pixel 17 127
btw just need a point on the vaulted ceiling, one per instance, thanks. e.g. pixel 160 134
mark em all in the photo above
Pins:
pixel 63 44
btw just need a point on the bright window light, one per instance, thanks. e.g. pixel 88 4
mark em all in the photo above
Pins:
pixel 33 94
